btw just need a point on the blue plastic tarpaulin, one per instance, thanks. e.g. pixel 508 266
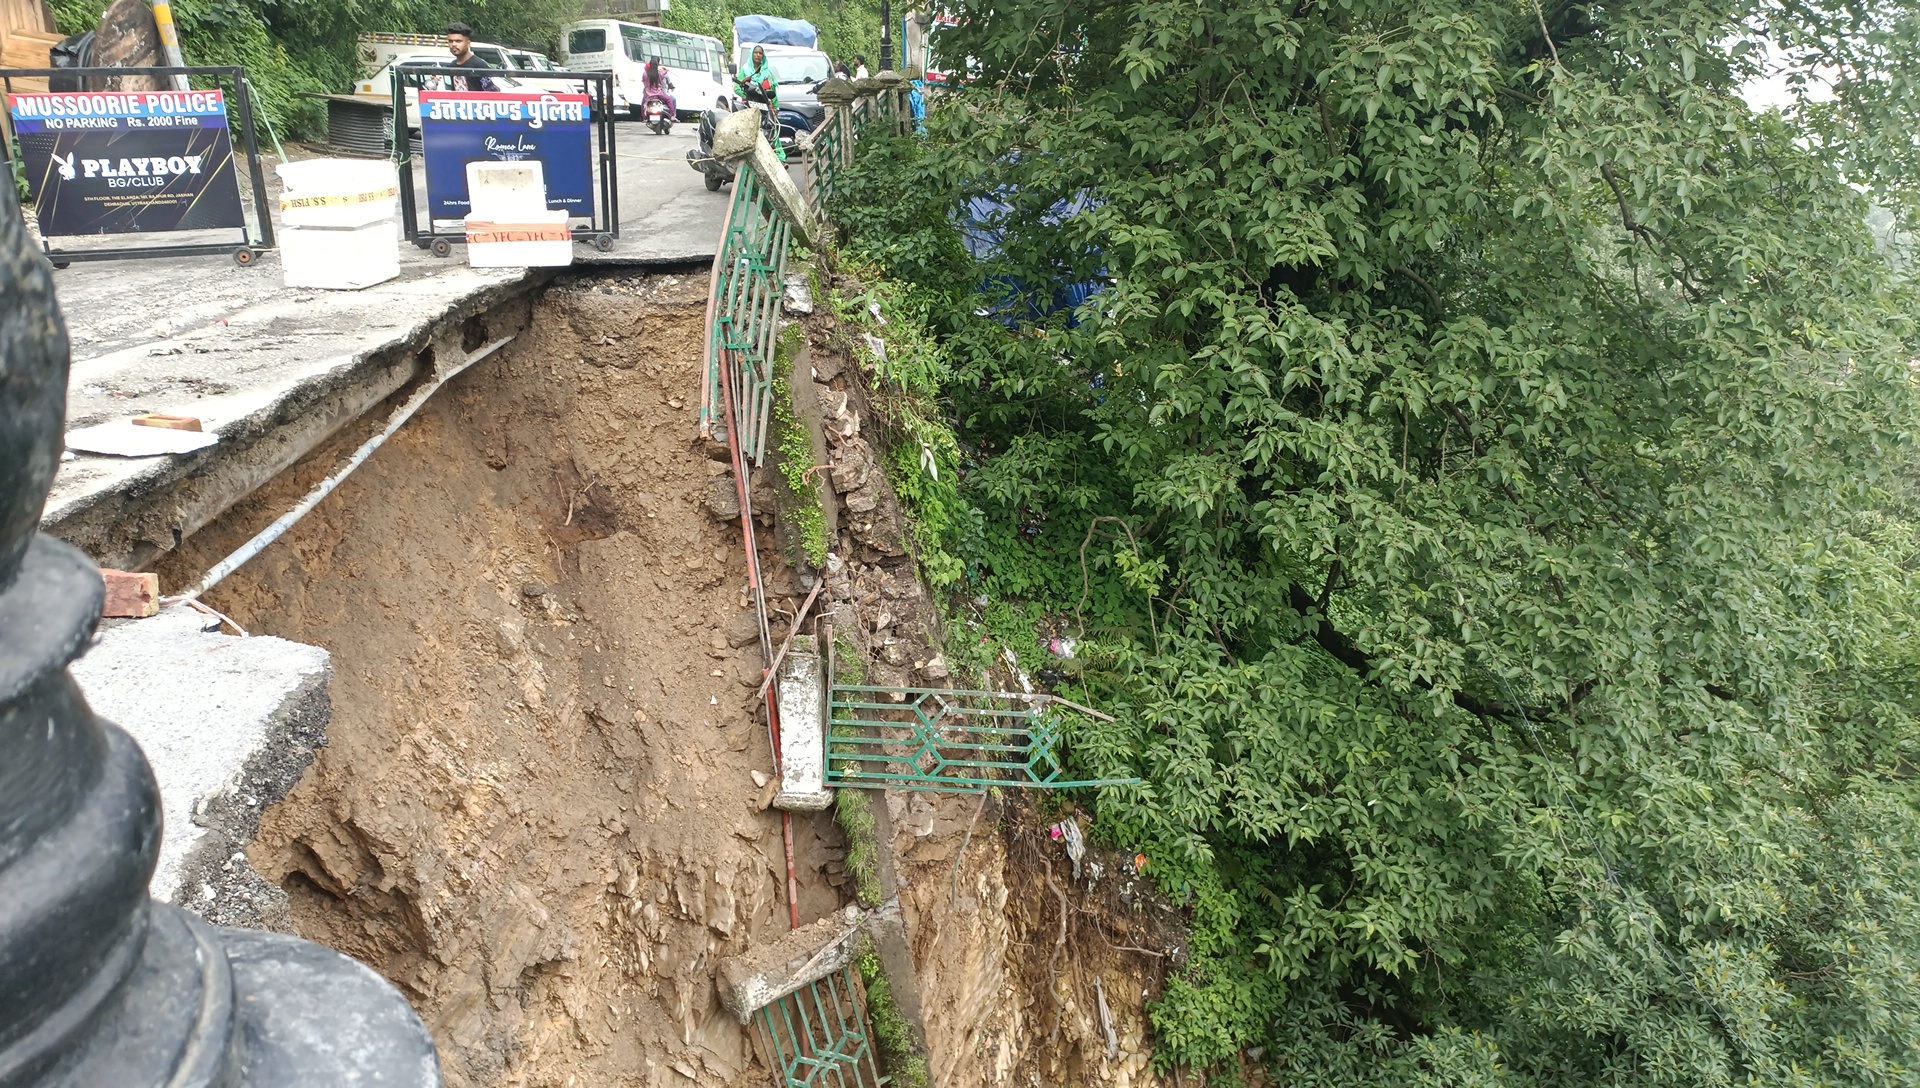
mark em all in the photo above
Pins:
pixel 772 30
pixel 982 228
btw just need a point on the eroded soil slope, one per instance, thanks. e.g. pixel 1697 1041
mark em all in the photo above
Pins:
pixel 537 814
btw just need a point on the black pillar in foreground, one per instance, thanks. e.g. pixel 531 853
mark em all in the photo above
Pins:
pixel 886 36
pixel 100 986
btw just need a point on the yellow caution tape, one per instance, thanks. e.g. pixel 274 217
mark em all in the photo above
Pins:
pixel 288 204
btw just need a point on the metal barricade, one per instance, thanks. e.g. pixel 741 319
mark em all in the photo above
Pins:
pixel 605 225
pixel 951 741
pixel 228 80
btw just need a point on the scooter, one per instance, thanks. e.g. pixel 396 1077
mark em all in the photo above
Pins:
pixel 656 114
pixel 700 155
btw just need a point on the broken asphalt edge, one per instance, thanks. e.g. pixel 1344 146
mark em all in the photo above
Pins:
pixel 129 522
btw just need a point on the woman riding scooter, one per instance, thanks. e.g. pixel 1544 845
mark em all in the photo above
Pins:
pixel 758 86
pixel 658 84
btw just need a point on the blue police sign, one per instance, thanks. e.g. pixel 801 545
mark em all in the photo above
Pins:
pixel 459 127
pixel 123 162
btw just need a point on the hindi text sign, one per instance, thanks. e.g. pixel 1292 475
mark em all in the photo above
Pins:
pixel 459 127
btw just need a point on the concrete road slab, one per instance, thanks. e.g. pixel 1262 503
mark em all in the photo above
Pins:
pixel 228 725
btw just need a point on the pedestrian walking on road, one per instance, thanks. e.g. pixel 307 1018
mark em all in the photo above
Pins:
pixel 460 44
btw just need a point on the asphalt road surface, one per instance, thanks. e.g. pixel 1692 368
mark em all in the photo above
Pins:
pixel 666 213
pixel 202 336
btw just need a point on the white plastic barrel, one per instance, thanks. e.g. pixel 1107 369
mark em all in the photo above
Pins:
pixel 337 192
pixel 338 223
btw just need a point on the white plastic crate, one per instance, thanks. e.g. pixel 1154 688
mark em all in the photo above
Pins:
pixel 337 192
pixel 506 192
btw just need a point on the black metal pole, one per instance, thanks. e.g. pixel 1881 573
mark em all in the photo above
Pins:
pixel 256 176
pixel 100 985
pixel 886 36
pixel 610 174
pixel 402 152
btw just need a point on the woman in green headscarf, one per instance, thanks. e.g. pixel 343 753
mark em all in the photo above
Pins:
pixel 756 83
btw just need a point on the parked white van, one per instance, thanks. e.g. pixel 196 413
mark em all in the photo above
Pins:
pixel 529 61
pixel 697 64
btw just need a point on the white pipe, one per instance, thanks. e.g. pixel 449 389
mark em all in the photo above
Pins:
pixel 273 532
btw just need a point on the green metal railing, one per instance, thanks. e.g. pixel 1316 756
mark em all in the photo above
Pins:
pixel 959 741
pixel 753 265
pixel 830 153
pixel 818 1035
pixel 880 109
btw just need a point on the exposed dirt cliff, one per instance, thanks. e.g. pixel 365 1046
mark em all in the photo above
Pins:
pixel 538 814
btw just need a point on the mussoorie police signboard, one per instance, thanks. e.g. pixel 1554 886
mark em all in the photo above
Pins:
pixel 123 162
pixel 459 127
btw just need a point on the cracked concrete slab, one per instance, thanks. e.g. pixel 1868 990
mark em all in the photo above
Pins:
pixel 229 725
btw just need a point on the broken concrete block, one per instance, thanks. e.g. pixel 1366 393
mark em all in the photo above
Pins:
pixel 735 135
pixel 761 493
pixel 860 502
pixel 851 465
pixel 765 974
pixel 841 421
pixel 229 725
pixel 722 499
pixel 801 694
pixel 798 297
pixel 738 137
pixel 839 582
pixel 742 629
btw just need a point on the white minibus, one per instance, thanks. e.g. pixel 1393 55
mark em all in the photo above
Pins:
pixel 696 64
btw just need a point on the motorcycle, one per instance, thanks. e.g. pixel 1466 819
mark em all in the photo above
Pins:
pixel 793 125
pixel 657 115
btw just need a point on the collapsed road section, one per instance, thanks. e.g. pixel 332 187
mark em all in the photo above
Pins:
pixel 540 810
pixel 519 627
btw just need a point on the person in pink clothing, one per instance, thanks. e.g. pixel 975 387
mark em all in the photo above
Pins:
pixel 659 85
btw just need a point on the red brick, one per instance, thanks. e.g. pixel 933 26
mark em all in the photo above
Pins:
pixel 130 594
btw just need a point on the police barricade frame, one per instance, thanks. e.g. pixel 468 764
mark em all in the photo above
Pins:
pixel 252 242
pixel 605 225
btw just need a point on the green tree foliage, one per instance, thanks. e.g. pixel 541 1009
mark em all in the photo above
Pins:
pixel 294 49
pixel 846 29
pixel 1484 486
